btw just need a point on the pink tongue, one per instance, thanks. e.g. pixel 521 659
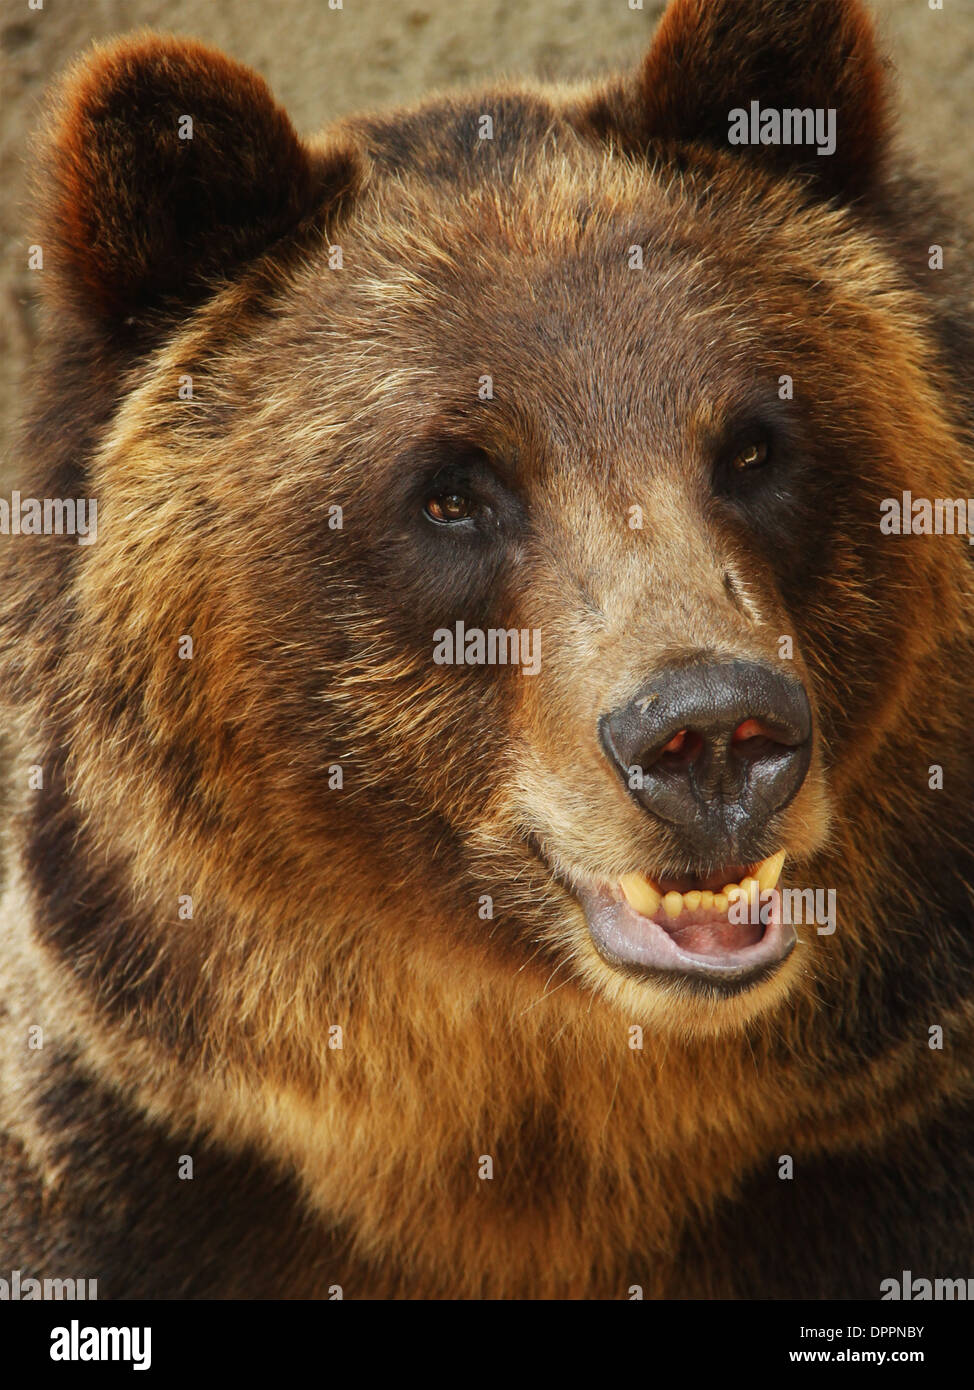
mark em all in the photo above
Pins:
pixel 703 934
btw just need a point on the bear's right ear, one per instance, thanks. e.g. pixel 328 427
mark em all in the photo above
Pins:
pixel 166 166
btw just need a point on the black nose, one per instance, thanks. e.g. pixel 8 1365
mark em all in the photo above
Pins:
pixel 714 749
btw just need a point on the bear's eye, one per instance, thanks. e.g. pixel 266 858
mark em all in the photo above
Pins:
pixel 446 507
pixel 752 455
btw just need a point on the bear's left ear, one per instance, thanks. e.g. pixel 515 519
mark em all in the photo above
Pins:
pixel 713 58
pixel 166 166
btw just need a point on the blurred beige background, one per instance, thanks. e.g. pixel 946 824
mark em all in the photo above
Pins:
pixel 323 62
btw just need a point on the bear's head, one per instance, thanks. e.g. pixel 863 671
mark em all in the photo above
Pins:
pixel 488 567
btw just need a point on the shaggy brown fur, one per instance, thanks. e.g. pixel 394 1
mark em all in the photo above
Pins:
pixel 313 907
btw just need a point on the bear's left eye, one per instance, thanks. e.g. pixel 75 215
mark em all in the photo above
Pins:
pixel 447 507
pixel 752 455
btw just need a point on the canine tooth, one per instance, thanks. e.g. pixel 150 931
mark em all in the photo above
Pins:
pixel 640 894
pixel 706 899
pixel 720 902
pixel 691 901
pixel 673 904
pixel 769 872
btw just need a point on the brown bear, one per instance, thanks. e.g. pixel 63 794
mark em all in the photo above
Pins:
pixel 493 787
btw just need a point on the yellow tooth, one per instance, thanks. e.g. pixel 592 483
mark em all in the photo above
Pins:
pixel 729 888
pixel 746 885
pixel 673 904
pixel 640 894
pixel 691 901
pixel 706 900
pixel 720 903
pixel 769 872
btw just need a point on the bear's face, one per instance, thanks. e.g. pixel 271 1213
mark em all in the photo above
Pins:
pixel 626 414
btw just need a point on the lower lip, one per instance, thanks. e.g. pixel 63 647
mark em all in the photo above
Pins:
pixel 699 947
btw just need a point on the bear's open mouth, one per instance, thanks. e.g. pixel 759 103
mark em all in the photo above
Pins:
pixel 725 930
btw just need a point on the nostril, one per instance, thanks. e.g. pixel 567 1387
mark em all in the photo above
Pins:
pixel 751 728
pixel 754 740
pixel 682 749
pixel 676 743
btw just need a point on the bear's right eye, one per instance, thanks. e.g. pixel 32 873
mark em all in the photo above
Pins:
pixel 447 507
pixel 464 497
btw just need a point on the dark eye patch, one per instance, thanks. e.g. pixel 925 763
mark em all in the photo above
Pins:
pixel 459 489
pixel 754 447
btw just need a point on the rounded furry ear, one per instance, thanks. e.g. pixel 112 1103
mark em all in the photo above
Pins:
pixel 774 80
pixel 166 165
